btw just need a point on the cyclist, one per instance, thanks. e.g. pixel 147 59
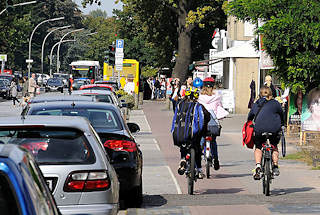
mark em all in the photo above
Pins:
pixel 191 95
pixel 212 102
pixel 269 119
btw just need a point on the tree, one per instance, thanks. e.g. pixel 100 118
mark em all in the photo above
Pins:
pixel 291 35
pixel 98 13
pixel 174 22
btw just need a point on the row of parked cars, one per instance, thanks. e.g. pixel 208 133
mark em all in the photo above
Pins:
pixel 86 152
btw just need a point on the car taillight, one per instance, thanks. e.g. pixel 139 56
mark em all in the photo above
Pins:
pixel 87 181
pixel 121 145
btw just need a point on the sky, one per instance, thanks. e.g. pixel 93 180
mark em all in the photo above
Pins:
pixel 106 5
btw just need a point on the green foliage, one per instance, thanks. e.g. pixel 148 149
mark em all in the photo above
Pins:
pixel 129 99
pixel 291 37
pixel 148 71
pixel 98 13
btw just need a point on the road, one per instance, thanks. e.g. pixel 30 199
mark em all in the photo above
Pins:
pixel 231 190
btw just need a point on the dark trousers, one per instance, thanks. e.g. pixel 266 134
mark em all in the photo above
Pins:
pixel 14 99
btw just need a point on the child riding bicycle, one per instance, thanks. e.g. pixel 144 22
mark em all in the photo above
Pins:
pixel 269 118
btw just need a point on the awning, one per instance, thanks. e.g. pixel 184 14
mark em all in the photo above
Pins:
pixel 245 50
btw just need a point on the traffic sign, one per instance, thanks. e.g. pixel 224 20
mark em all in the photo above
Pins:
pixel 120 44
pixel 119 54
pixel 3 57
pixel 119 60
pixel 119 67
pixel 29 61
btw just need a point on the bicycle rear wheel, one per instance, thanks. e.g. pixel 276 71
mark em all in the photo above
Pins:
pixel 267 177
pixel 208 165
pixel 191 177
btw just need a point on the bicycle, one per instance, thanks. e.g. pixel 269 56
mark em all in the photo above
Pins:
pixel 266 164
pixel 207 154
pixel 190 170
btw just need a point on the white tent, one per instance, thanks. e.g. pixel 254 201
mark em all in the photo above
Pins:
pixel 244 50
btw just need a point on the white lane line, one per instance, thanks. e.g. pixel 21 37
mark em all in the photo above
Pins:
pixel 174 180
pixel 148 126
pixel 158 147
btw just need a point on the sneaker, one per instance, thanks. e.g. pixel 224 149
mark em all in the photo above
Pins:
pixel 200 174
pixel 216 164
pixel 182 167
pixel 275 170
pixel 257 172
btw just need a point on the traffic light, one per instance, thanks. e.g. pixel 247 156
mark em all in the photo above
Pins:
pixel 91 70
pixel 110 55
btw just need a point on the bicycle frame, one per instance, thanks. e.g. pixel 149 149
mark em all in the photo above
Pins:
pixel 191 167
pixel 266 164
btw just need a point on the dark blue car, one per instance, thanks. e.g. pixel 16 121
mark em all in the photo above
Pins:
pixel 22 188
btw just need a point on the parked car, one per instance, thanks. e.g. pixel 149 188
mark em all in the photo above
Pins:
pixel 54 84
pixel 114 83
pixel 4 89
pixel 97 87
pixel 115 134
pixel 7 76
pixel 63 76
pixel 42 78
pixel 105 96
pixel 23 189
pixel 71 158
pixel 77 83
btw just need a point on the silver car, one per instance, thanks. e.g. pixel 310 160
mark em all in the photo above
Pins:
pixel 72 159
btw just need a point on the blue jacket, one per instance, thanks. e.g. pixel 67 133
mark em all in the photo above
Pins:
pixel 270 118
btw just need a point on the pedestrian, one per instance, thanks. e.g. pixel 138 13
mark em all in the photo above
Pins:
pixel 163 87
pixel 70 83
pixel 32 86
pixel 157 86
pixel 268 82
pixel 175 96
pixel 14 92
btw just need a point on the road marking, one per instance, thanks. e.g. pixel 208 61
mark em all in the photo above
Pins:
pixel 158 147
pixel 148 126
pixel 174 180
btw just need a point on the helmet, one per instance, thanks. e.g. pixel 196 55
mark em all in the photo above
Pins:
pixel 197 83
pixel 192 92
pixel 208 82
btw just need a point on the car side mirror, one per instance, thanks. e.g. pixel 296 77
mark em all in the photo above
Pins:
pixel 133 127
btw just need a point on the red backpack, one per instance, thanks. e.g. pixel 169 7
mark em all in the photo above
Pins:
pixel 247 134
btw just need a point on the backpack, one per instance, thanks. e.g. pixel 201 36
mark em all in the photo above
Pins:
pixel 187 122
pixel 247 134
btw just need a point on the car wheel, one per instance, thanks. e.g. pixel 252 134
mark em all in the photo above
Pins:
pixel 135 197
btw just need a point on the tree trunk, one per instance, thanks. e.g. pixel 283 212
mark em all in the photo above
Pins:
pixel 184 43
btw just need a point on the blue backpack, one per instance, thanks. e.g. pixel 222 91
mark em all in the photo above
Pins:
pixel 187 122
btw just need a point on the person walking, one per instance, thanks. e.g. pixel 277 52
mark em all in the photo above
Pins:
pixel 70 83
pixel 163 87
pixel 175 97
pixel 157 86
pixel 32 86
pixel 14 92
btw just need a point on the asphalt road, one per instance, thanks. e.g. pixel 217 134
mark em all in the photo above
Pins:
pixel 231 190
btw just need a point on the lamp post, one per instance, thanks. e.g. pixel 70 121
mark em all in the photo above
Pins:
pixel 58 51
pixel 51 52
pixel 29 61
pixel 44 41
pixel 19 4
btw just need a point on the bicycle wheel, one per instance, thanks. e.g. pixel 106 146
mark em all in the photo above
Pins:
pixel 192 172
pixel 267 177
pixel 263 174
pixel 208 165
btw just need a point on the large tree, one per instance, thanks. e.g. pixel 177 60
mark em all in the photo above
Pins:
pixel 291 32
pixel 175 21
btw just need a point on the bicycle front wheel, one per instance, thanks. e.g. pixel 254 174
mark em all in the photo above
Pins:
pixel 208 165
pixel 191 177
pixel 267 177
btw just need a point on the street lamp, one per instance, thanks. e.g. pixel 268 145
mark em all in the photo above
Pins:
pixel 58 43
pixel 19 4
pixel 44 41
pixel 58 51
pixel 29 61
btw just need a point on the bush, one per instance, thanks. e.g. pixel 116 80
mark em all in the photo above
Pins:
pixel 129 99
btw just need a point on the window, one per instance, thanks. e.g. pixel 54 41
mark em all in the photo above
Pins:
pixel 8 201
pixel 51 145
pixel 99 118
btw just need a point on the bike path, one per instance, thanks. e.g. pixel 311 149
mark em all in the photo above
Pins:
pixel 296 185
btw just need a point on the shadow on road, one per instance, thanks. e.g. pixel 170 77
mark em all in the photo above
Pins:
pixel 153 201
pixel 220 191
pixel 232 175
pixel 279 192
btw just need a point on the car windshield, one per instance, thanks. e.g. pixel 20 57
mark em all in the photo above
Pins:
pixel 99 118
pixel 51 145
pixel 54 81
